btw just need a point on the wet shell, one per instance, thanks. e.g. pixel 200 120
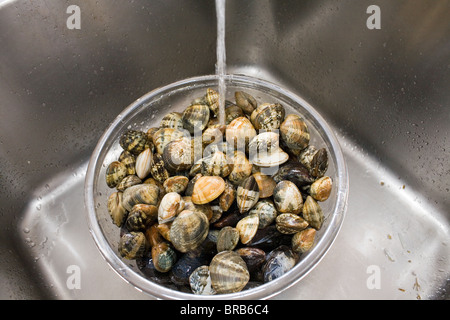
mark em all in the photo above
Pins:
pixel 303 241
pixel 287 198
pixel 128 181
pixel 115 172
pixel 158 170
pixel 313 213
pixel 294 132
pixel 242 168
pixel 247 227
pixel 294 172
pixel 253 257
pixel 164 136
pixel 319 163
pixel 263 143
pixel 186 265
pixel 172 120
pixel 141 217
pixel 212 100
pixel 129 160
pixel 200 281
pixel 132 245
pixel 196 117
pixel 266 185
pixel 227 197
pixel 233 112
pixel 228 272
pixel 141 193
pixel 266 211
pixel 289 223
pixel 178 155
pixel 190 187
pixel 245 101
pixel 171 205
pixel 247 194
pixel 153 236
pixel 134 141
pixel 321 189
pixel 164 257
pixel 227 239
pixel 143 163
pixel 239 133
pixel 273 158
pixel 164 230
pixel 176 184
pixel 189 230
pixel 207 188
pixel 213 134
pixel 115 208
pixel 204 208
pixel 216 165
pixel 268 116
pixel 279 261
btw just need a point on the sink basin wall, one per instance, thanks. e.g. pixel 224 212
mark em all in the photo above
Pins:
pixel 384 91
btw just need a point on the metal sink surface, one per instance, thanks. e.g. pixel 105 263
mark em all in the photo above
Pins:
pixel 385 92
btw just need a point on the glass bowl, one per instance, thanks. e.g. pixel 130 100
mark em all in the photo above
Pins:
pixel 147 112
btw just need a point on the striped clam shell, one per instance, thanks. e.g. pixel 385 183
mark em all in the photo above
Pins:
pixel 207 188
pixel 143 163
pixel 239 133
pixel 247 194
pixel 287 197
pixel 247 227
pixel 294 132
pixel 115 172
pixel 313 213
pixel 132 245
pixel 228 272
pixel 140 193
pixel 189 230
pixel 170 206
pixel 268 116
pixel 196 117
pixel 134 141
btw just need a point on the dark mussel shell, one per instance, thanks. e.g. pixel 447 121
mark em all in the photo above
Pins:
pixel 295 172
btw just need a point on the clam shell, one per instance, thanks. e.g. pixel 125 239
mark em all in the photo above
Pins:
pixel 273 158
pixel 164 136
pixel 176 184
pixel 171 205
pixel 279 261
pixel 247 227
pixel 245 101
pixel 287 197
pixel 144 163
pixel 134 141
pixel 163 256
pixel 172 120
pixel 190 187
pixel 294 132
pixel 228 272
pixel 129 160
pixel 141 217
pixel 227 239
pixel 207 188
pixel 115 208
pixel 242 168
pixel 247 194
pixel 212 100
pixel 128 181
pixel 289 223
pixel 141 193
pixel 213 134
pixel 132 245
pixel 266 211
pixel 200 281
pixel 115 172
pixel 178 155
pixel 232 112
pixel 189 230
pixel 294 172
pixel 152 235
pixel 253 257
pixel 321 189
pixel 263 143
pixel 196 117
pixel 239 133
pixel 313 213
pixel 158 170
pixel 268 116
pixel 204 208
pixel 266 185
pixel 303 241
pixel 215 165
pixel 227 197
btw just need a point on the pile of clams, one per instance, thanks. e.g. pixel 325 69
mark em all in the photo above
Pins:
pixel 217 208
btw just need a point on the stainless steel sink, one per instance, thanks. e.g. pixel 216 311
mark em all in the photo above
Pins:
pixel 384 91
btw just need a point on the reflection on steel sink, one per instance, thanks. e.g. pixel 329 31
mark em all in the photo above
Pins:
pixel 385 92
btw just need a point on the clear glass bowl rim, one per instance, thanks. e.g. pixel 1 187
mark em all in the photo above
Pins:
pixel 265 291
